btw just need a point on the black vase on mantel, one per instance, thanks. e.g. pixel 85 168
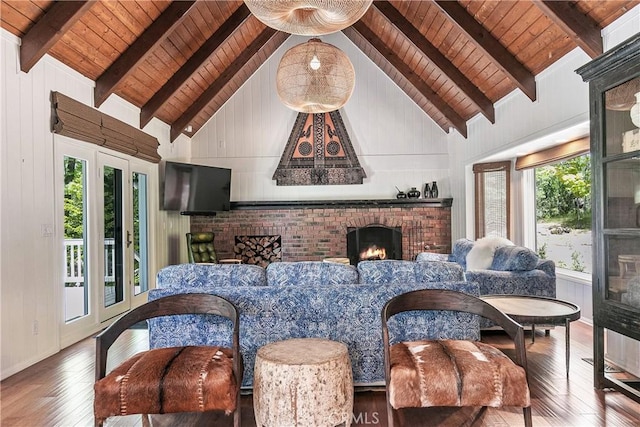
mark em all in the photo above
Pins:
pixel 434 190
pixel 414 193
pixel 427 191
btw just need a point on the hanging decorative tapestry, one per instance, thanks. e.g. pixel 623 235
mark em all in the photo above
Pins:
pixel 319 152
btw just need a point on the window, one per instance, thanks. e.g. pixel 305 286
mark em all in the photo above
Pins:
pixel 563 203
pixel 563 213
pixel 492 194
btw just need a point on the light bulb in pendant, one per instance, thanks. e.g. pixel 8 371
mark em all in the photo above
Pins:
pixel 315 63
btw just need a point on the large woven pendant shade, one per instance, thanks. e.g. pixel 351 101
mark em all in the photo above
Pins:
pixel 308 17
pixel 315 77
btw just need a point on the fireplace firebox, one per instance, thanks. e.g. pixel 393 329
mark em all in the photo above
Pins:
pixel 373 242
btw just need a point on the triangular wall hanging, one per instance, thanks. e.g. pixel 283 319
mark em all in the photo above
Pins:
pixel 319 152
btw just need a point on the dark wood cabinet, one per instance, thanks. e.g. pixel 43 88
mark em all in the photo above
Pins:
pixel 614 96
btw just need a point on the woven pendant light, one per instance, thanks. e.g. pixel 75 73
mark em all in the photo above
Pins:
pixel 622 98
pixel 308 17
pixel 315 77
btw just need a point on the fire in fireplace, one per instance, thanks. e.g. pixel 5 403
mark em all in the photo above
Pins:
pixel 373 242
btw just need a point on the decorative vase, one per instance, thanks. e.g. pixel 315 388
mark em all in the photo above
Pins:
pixel 413 193
pixel 434 190
pixel 427 191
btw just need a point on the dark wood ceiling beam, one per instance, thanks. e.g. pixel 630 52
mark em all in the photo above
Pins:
pixel 58 19
pixel 437 58
pixel 396 62
pixel 194 63
pixel 483 40
pixel 137 52
pixel 584 31
pixel 225 77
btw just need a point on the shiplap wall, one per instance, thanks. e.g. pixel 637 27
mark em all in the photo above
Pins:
pixel 396 142
pixel 28 259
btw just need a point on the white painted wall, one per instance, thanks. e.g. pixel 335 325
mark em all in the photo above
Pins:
pixel 397 144
pixel 28 284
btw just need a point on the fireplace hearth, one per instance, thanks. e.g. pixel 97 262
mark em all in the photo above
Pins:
pixel 373 242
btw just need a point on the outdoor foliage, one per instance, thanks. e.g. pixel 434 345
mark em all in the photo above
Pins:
pixel 563 192
pixel 73 198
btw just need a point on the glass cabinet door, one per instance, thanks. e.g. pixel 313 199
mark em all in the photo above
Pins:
pixel 621 184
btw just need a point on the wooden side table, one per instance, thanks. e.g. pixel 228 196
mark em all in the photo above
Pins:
pixel 303 382
pixel 534 310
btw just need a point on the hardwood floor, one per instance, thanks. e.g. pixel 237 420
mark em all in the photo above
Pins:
pixel 59 391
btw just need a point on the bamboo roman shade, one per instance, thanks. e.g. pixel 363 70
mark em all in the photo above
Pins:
pixel 555 154
pixel 492 199
pixel 77 120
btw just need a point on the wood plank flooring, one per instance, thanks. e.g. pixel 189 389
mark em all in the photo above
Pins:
pixel 59 391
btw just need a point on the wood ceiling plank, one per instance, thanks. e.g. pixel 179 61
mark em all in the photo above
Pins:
pixel 521 18
pixel 58 19
pixel 170 18
pixel 7 22
pixel 583 30
pixel 532 26
pixel 605 12
pixel 92 43
pixel 130 15
pixel 193 64
pixel 178 126
pixel 18 17
pixel 371 37
pixel 503 29
pixel 522 77
pixel 437 58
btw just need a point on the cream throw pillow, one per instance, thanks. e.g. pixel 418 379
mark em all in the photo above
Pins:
pixel 480 257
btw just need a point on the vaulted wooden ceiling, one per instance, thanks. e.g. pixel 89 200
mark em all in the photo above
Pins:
pixel 180 61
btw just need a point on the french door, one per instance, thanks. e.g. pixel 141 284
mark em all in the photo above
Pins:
pixel 105 219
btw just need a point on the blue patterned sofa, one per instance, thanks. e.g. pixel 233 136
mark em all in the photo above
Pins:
pixel 313 299
pixel 514 270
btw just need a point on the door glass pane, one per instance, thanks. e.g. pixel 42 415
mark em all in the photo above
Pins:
pixel 140 233
pixel 76 288
pixel 113 244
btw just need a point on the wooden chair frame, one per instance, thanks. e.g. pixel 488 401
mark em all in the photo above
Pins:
pixel 169 306
pixel 441 299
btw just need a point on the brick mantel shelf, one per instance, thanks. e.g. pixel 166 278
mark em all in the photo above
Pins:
pixel 316 229
pixel 306 204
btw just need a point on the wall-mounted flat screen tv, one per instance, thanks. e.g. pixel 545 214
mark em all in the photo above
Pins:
pixel 194 189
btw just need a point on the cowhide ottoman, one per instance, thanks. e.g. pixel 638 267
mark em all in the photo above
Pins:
pixel 303 382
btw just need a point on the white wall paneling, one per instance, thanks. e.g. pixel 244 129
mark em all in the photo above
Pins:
pixel 396 142
pixel 28 259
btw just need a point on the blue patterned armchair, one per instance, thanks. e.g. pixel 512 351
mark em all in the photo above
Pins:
pixel 311 306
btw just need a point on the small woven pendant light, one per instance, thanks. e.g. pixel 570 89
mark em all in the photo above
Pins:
pixel 315 77
pixel 308 17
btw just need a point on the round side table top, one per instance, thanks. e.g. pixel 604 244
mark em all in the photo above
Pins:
pixel 302 351
pixel 532 308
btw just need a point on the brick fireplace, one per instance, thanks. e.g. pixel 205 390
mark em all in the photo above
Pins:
pixel 312 231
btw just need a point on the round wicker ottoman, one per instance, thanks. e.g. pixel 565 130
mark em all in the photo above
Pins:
pixel 303 382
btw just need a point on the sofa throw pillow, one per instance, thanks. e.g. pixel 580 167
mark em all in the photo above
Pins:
pixel 480 257
pixel 514 258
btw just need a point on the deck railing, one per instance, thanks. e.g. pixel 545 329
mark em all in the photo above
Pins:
pixel 74 261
